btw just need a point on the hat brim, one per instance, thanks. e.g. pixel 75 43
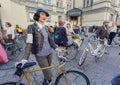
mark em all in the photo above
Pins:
pixel 47 14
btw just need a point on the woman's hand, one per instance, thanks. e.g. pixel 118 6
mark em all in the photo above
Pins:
pixel 21 62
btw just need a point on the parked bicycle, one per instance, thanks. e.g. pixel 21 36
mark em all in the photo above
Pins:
pixel 70 77
pixel 73 49
pixel 92 47
pixel 13 48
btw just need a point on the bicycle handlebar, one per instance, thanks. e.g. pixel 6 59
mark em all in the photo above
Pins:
pixel 65 59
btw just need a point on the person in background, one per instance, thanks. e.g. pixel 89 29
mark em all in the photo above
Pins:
pixel 1 38
pixel 60 35
pixel 70 32
pixel 103 35
pixel 86 30
pixel 3 55
pixel 10 34
pixel 80 29
pixel 40 43
pixel 19 30
pixel 112 31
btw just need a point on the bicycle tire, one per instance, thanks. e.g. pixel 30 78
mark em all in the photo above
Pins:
pixel 82 58
pixel 11 83
pixel 78 73
pixel 72 52
pixel 12 52
pixel 100 54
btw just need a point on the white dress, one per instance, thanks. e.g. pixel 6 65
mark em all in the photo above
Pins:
pixel 69 35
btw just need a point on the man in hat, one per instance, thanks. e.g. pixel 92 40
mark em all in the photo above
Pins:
pixel 103 35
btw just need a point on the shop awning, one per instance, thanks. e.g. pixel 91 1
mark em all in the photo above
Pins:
pixel 74 12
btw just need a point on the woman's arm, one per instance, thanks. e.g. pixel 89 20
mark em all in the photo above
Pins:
pixel 29 41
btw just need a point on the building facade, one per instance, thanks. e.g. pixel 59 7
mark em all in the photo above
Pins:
pixel 21 11
pixel 97 11
pixel 94 12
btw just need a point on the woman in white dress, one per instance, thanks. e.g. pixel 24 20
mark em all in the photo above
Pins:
pixel 70 32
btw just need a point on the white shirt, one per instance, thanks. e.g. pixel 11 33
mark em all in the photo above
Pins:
pixel 10 30
pixel 113 29
pixel 40 25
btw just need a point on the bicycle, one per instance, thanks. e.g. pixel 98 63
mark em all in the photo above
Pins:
pixel 74 48
pixel 69 77
pixel 13 48
pixel 13 51
pixel 92 49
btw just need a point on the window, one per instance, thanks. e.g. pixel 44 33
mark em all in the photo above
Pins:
pixel 48 19
pixel 59 4
pixel 47 1
pixel 68 6
pixel 44 1
pixel 113 2
pixel 59 18
pixel 87 3
pixel 31 14
pixel 33 0
pixel 111 17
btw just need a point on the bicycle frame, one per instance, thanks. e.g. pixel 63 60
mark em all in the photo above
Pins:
pixel 61 70
pixel 89 48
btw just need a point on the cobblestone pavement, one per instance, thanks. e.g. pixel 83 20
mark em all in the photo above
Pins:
pixel 99 73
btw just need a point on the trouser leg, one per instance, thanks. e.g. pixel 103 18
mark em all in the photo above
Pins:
pixel 45 61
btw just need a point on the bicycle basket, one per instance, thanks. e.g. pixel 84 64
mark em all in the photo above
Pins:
pixel 76 36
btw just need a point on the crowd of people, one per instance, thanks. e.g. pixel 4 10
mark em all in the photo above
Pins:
pixel 8 36
pixel 41 39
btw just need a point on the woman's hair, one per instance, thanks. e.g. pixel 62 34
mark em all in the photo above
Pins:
pixel 36 16
pixel 9 24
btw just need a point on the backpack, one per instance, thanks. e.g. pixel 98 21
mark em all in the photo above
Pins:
pixel 58 36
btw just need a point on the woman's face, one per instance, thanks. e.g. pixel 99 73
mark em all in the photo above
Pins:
pixel 6 25
pixel 68 25
pixel 43 17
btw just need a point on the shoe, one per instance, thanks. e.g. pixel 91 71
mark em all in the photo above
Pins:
pixel 45 82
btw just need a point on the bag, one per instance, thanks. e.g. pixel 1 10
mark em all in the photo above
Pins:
pixel 3 55
pixel 58 36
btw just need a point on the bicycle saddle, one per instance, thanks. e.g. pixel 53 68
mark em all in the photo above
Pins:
pixel 26 65
pixel 19 71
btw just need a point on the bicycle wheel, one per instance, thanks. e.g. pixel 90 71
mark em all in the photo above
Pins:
pixel 82 58
pixel 11 52
pixel 74 78
pixel 100 53
pixel 72 52
pixel 11 83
